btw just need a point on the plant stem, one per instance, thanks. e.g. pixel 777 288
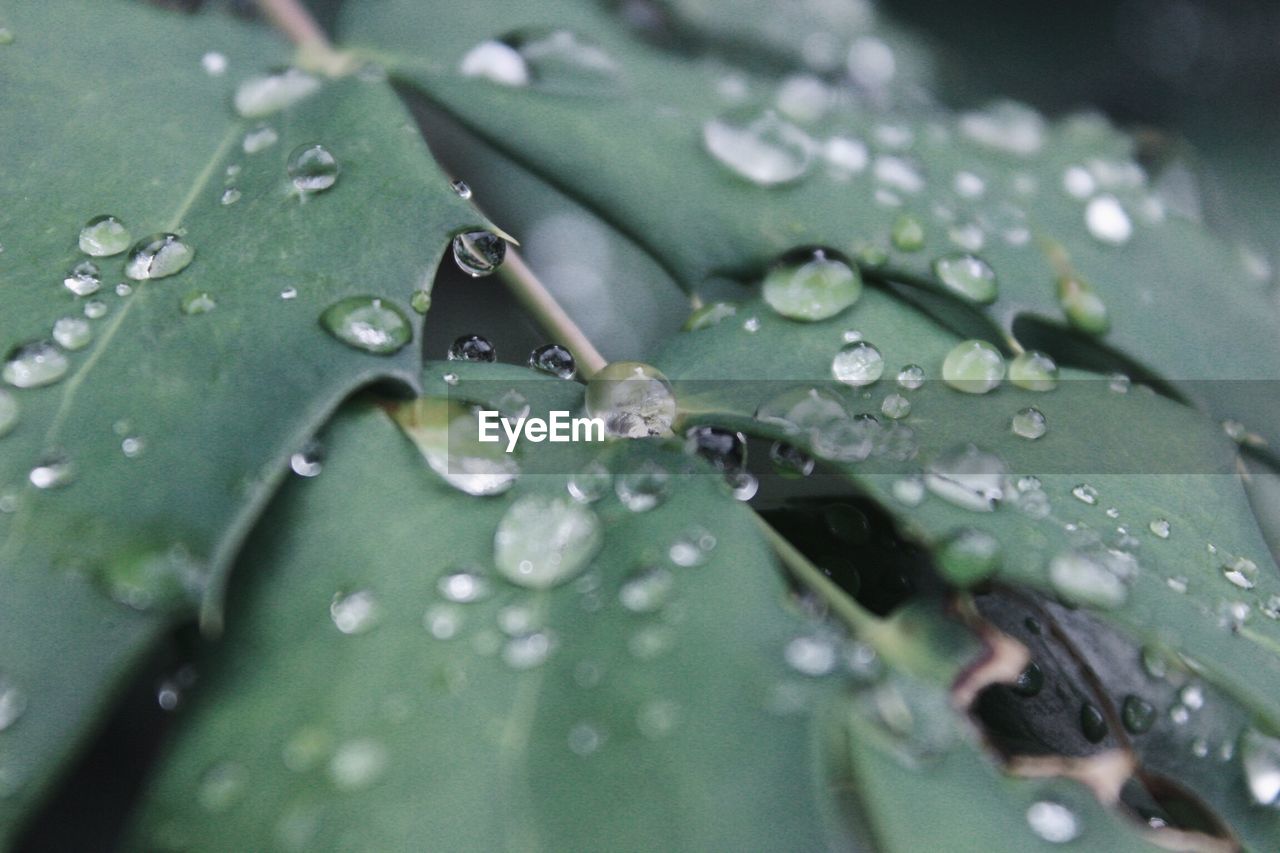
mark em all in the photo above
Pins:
pixel 539 302
pixel 293 19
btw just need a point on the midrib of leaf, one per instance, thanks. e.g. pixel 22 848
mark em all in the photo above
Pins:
pixel 73 383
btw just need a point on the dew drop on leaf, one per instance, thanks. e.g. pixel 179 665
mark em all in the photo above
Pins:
pixel 368 323
pixel 472 348
pixel 197 302
pixel 974 367
pixel 1083 307
pixel 1260 758
pixel 1029 423
pixel 907 233
pixel 857 365
pixel 214 63
pixel 591 483
pixel 1160 527
pixel 1084 578
pixel 1092 723
pixel 709 315
pixel 104 236
pixel 312 168
pixel 158 256
pixel 230 196
pixel 633 399
pixel 13 702
pixel 642 486
pixel 813 287
pixel 967 276
pixel 555 360
pixel 1107 220
pixel 911 377
pixel 221 787
pixel 357 763
pixel 763 149
pixel 1085 494
pixel 544 541
pixel 1033 371
pixel 35 364
pixel 1053 822
pixel 420 301
pixel 790 461
pixel 1030 681
pixel 84 279
pixel 968 556
pixel 461 189
pixel 72 333
pixel 969 477
pixel 895 406
pixel 265 94
pixel 464 586
pixel 355 612
pixel 1137 714
pixel 479 253
pixel 647 590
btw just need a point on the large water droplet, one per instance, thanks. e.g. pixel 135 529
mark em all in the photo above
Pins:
pixel 895 406
pixel 1260 757
pixel 591 483
pixel 554 359
pixel 647 589
pixel 472 348
pixel 1082 306
pixel 1107 220
pixel 725 449
pixel 72 333
pixel 158 256
pixel 265 94
pixel 555 61
pixel 312 168
pixel 1092 723
pixel 479 253
pixel 633 399
pixel 765 149
pixel 103 236
pixel 1033 371
pixel 544 541
pixel 642 486
pixel 813 655
pixel 911 377
pixel 968 477
pixel 1160 527
pixel 447 433
pixel 259 138
pixel 857 364
pixel 368 323
pixel 1084 578
pixel 84 279
pixel 974 367
pixel 1029 423
pixel 967 276
pixel 1053 822
pixel 815 288
pixel 355 612
pixel 1137 714
pixel 1030 681
pixel 35 364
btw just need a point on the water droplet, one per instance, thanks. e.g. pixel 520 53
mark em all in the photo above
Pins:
pixel 909 491
pixel 709 315
pixel 1029 423
pixel 591 483
pixel 35 364
pixel 647 590
pixel 355 612
pixel 197 302
pixel 260 138
pixel 84 279
pixel 846 157
pixel 72 333
pixel 555 61
pixel 527 651
pixel 1107 221
pixel 230 196
pixel 764 149
pixel 54 470
pixel 967 276
pixel 368 323
pixel 104 236
pixel 265 94
pixel 584 739
pixel 420 301
pixel 1084 578
pixel 692 548
pixel 9 412
pixel 642 486
pixel 461 188
pixel 133 446
pixel 312 168
pixel 357 764
pixel 968 477
pixel 1033 371
pixel 812 655
pixel 814 288
pixel 6 37
pixel 214 63
pixel 790 461
pixel 95 309
pixel 479 253
pixel 633 399
pixel 726 450
pixel 309 461
pixel 1160 527
pixel 1260 757
pixel 288 294
pixel 968 556
pixel 443 621
pixel 1137 714
pixel 1053 822
pixel 554 359
pixel 544 541
pixel 751 325
pixel 13 702
pixel 907 233
pixel 158 256
pixel 895 406
pixel 857 365
pixel 657 718
pixel 464 586
pixel 911 377
pixel 1082 306
pixel 1240 571
pixel 124 289
pixel 974 367
pixel 472 348
pixel 1030 681
pixel 1085 494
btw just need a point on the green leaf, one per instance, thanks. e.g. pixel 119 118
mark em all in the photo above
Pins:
pixel 1033 232
pixel 680 713
pixel 177 427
